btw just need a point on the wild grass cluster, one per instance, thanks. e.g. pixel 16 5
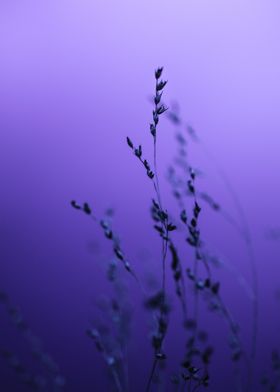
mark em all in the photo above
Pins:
pixel 194 278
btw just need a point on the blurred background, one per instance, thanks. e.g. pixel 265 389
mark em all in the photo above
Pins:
pixel 76 78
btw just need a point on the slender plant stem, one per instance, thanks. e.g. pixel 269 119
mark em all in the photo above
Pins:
pixel 151 375
pixel 164 238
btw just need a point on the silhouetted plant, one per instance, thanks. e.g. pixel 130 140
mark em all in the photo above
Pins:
pixel 109 234
pixel 111 333
pixel 242 226
pixel 193 373
pixel 162 224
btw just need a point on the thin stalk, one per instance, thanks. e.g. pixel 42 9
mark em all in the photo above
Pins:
pixel 151 375
pixel 164 227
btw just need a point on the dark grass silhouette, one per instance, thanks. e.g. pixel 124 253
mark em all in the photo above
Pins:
pixel 194 283
pixel 193 374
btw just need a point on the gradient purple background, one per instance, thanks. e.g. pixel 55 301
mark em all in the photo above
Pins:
pixel 75 77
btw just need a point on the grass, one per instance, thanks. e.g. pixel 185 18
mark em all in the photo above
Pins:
pixel 192 267
pixel 193 374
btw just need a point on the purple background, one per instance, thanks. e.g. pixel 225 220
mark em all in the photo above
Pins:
pixel 75 77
